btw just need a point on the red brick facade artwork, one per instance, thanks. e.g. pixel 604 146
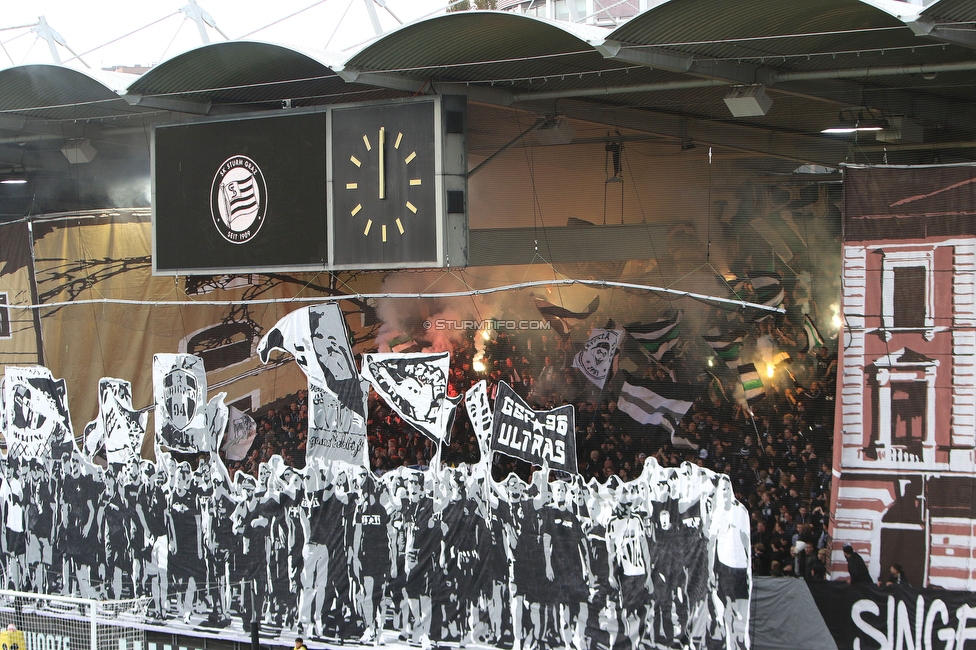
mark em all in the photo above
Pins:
pixel 905 431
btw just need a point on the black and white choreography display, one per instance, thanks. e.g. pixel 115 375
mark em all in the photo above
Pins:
pixel 333 551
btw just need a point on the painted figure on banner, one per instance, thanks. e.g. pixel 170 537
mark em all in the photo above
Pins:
pixel 185 421
pixel 119 428
pixel 595 360
pixel 36 409
pixel 415 386
pixel 479 413
pixel 334 553
pixel 318 339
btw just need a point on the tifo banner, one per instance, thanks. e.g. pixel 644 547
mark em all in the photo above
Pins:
pixel 185 421
pixel 479 413
pixel 897 616
pixel 318 339
pixel 595 360
pixel 321 551
pixel 242 430
pixel 36 410
pixel 118 430
pixel 543 438
pixel 415 386
pixel 904 447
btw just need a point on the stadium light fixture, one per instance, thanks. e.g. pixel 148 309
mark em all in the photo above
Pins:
pixel 856 121
pixel 14 177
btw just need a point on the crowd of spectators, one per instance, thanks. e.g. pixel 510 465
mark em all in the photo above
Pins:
pixel 777 450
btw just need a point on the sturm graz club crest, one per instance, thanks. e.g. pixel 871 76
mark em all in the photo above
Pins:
pixel 181 393
pixel 238 199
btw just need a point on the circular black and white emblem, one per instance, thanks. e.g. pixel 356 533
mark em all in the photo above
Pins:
pixel 238 199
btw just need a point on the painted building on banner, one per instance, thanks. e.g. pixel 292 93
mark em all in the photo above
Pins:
pixel 904 433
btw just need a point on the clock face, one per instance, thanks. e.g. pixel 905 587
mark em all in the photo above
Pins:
pixel 384 199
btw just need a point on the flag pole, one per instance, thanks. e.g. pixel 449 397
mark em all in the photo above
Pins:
pixel 752 416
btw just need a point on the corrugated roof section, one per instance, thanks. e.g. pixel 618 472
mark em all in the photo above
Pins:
pixel 958 11
pixel 475 37
pixel 249 72
pixel 57 92
pixel 813 34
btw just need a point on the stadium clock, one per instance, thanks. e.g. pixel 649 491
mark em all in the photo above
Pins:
pixel 384 187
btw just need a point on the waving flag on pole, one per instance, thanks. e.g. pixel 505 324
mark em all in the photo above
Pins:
pixel 659 337
pixel 318 339
pixel 725 345
pixel 654 402
pixel 479 412
pixel 119 428
pixel 415 386
pixel 562 319
pixel 814 340
pixel 768 286
pixel 751 383
pixel 596 358
pixel 404 343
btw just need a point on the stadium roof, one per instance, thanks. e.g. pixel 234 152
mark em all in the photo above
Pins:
pixel 666 72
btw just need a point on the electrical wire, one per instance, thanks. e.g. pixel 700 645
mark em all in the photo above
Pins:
pixel 602 284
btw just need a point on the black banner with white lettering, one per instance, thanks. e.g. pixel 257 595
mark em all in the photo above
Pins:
pixel 897 616
pixel 543 438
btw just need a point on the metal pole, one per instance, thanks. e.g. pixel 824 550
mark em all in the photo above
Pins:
pixel 93 615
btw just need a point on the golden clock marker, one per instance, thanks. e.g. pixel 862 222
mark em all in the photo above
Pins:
pixel 396 145
pixel 384 233
pixel 353 186
pixel 399 225
pixel 355 211
pixel 369 147
pixel 415 181
pixel 410 157
pixel 411 207
pixel 355 161
pixel 382 163
pixel 369 224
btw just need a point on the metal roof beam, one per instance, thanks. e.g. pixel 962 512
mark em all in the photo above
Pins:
pixel 926 26
pixel 663 59
pixel 169 103
pixel 381 79
pixel 842 87
pixel 789 146
pixel 411 84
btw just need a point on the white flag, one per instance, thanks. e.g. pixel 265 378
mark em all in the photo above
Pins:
pixel 118 429
pixel 596 358
pixel 185 421
pixel 415 386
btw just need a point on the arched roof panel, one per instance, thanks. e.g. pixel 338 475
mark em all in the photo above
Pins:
pixel 813 34
pixel 481 38
pixel 51 91
pixel 251 72
pixel 956 11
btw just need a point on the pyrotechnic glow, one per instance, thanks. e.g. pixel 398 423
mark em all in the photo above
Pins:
pixel 770 370
pixel 478 365
pixel 710 362
pixel 486 335
pixel 835 320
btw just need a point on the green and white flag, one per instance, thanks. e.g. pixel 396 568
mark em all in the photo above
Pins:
pixel 751 382
pixel 814 340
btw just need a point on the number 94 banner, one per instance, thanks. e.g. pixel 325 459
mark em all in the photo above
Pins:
pixel 543 438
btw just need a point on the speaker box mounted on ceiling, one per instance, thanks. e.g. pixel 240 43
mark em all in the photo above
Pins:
pixel 79 151
pixel 748 101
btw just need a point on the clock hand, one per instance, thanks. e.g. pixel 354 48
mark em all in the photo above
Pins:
pixel 382 162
